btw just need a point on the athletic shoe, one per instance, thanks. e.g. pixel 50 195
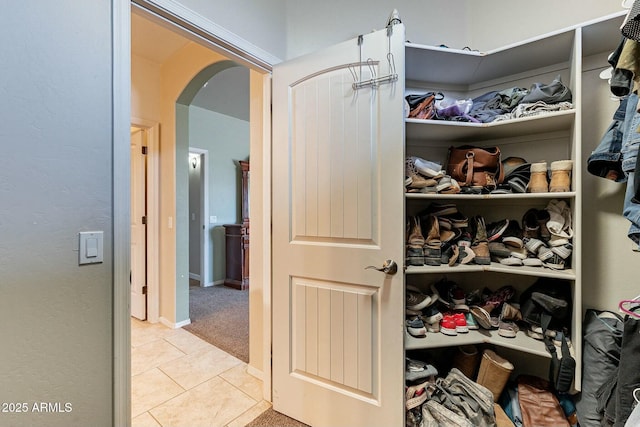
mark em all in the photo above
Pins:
pixel 431 315
pixel 416 327
pixel 471 322
pixel 416 300
pixel 448 325
pixel 461 323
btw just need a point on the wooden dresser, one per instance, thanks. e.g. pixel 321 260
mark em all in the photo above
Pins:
pixel 237 240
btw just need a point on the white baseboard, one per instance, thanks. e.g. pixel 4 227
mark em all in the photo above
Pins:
pixel 254 372
pixel 194 276
pixel 172 325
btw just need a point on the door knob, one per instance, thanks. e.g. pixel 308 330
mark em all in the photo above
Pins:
pixel 388 267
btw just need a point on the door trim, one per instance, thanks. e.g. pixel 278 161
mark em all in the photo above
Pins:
pixel 205 237
pixel 152 130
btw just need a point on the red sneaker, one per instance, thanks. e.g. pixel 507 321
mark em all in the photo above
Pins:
pixel 448 325
pixel 461 323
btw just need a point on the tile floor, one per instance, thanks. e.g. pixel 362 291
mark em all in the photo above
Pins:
pixel 178 380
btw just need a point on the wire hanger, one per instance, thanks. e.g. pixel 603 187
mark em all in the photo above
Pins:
pixel 625 310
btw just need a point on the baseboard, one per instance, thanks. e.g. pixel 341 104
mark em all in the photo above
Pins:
pixel 172 325
pixel 255 372
pixel 216 283
pixel 194 276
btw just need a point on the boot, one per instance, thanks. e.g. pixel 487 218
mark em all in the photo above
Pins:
pixel 480 244
pixel 432 245
pixel 414 179
pixel 415 242
pixel 561 176
pixel 538 182
pixel 466 360
pixel 494 373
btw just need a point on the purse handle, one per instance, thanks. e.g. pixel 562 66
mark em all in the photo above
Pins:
pixel 499 177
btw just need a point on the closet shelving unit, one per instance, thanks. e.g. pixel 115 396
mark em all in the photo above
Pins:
pixel 461 74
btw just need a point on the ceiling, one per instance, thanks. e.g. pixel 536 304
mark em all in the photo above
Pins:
pixel 226 93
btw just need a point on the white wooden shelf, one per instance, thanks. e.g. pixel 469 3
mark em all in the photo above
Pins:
pixel 510 196
pixel 567 274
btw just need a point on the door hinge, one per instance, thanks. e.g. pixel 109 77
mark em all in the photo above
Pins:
pixel 144 220
pixel 144 290
pixel 144 149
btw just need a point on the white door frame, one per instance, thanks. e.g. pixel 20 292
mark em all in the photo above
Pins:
pixel 152 130
pixel 221 40
pixel 205 235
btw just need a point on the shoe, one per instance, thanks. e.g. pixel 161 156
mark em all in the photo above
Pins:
pixel 530 225
pixel 453 189
pixel 532 262
pixel 534 245
pixel 466 360
pixel 428 168
pixel 466 255
pixel 543 217
pixel 480 245
pixel 416 370
pixel 510 312
pixel 450 255
pixel 512 236
pixel 482 317
pixel 511 261
pixel 458 298
pixel 415 242
pixel 471 321
pixel 441 209
pixel 432 244
pixel 494 373
pixel 448 325
pixel 431 315
pixel 458 220
pixel 507 329
pixel 499 250
pixel 460 320
pixel 538 182
pixel 417 180
pixel 416 300
pixel 560 176
pixel 416 328
pixel 495 229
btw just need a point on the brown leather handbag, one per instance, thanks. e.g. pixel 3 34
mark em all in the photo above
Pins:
pixel 475 166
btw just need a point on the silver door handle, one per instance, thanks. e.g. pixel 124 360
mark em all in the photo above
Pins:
pixel 388 267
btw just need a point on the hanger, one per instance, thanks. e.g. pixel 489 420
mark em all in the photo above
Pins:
pixel 624 309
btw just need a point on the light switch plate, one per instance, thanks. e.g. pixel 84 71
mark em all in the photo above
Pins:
pixel 91 247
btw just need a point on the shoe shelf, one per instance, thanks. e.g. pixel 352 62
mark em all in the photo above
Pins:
pixel 439 130
pixel 567 274
pixel 522 342
pixel 517 196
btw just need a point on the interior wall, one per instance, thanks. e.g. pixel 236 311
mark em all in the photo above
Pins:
pixel 227 140
pixel 195 219
pixel 497 23
pixel 261 23
pixel 56 179
pixel 312 25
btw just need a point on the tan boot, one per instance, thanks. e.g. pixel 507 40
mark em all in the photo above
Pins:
pixel 561 176
pixel 494 373
pixel 466 360
pixel 538 182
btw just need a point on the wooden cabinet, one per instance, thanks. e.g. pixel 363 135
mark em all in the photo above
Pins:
pixel 237 240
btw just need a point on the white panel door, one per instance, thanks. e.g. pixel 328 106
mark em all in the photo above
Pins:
pixel 338 174
pixel 138 227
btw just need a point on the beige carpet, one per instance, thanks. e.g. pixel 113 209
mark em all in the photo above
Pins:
pixel 220 316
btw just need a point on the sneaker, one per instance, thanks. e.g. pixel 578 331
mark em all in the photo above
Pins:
pixel 471 321
pixel 416 328
pixel 416 369
pixel 428 168
pixel 499 250
pixel 460 320
pixel 458 220
pixel 416 300
pixel 511 261
pixel 441 209
pixel 448 325
pixel 458 298
pixel 495 229
pixel 431 315
pixel 507 329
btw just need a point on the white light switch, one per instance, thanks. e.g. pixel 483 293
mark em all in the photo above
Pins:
pixel 91 247
pixel 213 219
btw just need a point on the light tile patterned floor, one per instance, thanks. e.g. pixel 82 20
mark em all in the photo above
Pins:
pixel 178 380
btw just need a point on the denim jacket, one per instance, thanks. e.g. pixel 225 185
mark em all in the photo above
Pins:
pixel 606 160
